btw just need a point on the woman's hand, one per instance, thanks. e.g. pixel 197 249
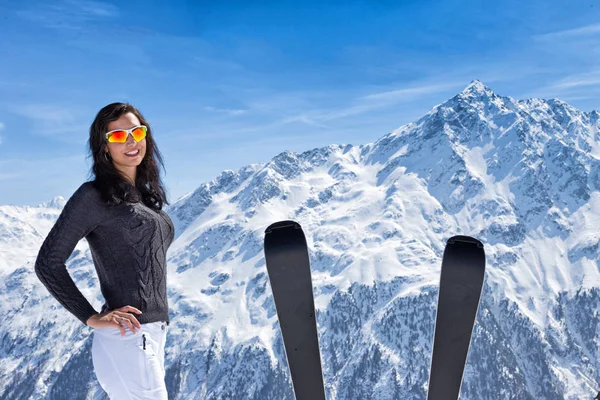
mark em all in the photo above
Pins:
pixel 119 317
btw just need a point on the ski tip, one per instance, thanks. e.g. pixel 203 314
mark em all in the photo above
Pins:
pixel 465 239
pixel 283 224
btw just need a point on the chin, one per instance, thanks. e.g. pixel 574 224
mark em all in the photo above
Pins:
pixel 130 163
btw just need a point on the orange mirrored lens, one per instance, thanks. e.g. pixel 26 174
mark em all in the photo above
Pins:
pixel 139 133
pixel 118 137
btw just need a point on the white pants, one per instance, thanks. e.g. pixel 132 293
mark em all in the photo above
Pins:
pixel 131 367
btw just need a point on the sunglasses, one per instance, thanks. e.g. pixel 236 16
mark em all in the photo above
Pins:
pixel 120 135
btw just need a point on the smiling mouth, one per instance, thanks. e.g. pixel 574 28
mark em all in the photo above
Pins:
pixel 133 153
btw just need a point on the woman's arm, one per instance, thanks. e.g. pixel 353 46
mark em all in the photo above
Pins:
pixel 79 217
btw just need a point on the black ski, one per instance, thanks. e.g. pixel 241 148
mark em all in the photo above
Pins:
pixel 461 283
pixel 288 265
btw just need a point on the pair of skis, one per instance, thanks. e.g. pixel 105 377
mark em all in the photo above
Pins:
pixel 461 282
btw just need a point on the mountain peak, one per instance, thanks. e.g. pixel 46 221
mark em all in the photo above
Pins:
pixel 477 88
pixel 57 202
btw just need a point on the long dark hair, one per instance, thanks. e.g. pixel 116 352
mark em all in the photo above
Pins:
pixel 114 187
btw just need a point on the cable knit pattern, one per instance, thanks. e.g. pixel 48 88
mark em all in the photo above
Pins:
pixel 128 243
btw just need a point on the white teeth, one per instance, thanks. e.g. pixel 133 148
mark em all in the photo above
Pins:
pixel 132 153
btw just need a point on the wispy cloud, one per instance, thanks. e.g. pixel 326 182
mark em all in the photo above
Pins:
pixel 94 8
pixel 227 111
pixel 587 30
pixel 579 80
pixel 311 113
pixel 575 87
pixel 9 176
pixel 68 14
pixel 385 99
pixel 50 120
pixel 304 119
pixel 321 110
pixel 394 96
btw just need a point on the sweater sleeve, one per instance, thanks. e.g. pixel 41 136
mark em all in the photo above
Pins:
pixel 79 217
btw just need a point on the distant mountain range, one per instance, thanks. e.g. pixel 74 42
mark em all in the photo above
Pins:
pixel 522 176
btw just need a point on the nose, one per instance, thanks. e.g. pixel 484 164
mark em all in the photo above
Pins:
pixel 130 138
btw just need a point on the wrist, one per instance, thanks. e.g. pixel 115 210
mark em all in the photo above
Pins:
pixel 91 319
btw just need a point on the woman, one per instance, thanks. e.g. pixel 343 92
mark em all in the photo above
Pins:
pixel 120 215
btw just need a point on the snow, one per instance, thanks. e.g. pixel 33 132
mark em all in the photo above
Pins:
pixel 480 164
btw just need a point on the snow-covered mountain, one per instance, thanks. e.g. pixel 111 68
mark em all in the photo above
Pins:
pixel 521 176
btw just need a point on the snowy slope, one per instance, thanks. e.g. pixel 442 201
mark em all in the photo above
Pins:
pixel 521 176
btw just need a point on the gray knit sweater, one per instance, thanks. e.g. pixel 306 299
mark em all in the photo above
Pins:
pixel 128 244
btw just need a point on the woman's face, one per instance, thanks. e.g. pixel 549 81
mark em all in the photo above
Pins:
pixel 118 150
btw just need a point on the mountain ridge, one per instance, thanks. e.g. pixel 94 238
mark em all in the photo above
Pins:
pixel 520 175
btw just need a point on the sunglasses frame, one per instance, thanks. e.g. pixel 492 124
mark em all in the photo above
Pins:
pixel 129 132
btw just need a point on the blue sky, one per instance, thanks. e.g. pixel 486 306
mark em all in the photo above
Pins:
pixel 229 84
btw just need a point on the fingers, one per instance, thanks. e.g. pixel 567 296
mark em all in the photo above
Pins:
pixel 129 308
pixel 128 316
pixel 116 319
pixel 128 324
pixel 130 321
pixel 127 320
